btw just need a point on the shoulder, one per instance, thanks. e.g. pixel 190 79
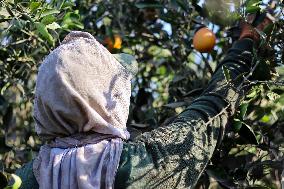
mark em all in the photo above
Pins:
pixel 27 176
pixel 134 162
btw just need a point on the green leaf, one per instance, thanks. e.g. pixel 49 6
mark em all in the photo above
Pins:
pixel 250 149
pixel 71 16
pixel 265 119
pixel 17 182
pixel 280 99
pixel 27 17
pixel 5 87
pixel 243 150
pixel 252 6
pixel 250 3
pixel 49 12
pixel 53 26
pixel 72 20
pixel 107 21
pixel 252 9
pixel 243 110
pixel 67 5
pixel 272 95
pixel 237 125
pixel 251 131
pixel 159 52
pixel 253 93
pixel 162 70
pixel 280 71
pixel 233 151
pixel 268 29
pixel 41 28
pixel 34 5
pixel 48 19
pixel 148 5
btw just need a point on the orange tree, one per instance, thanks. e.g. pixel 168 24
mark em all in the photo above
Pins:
pixel 171 74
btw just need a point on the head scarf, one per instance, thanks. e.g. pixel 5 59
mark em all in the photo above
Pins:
pixel 81 107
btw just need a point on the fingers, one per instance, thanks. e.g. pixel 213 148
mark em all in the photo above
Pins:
pixel 247 31
pixel 264 23
pixel 250 18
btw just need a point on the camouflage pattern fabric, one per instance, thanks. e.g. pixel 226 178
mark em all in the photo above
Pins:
pixel 176 155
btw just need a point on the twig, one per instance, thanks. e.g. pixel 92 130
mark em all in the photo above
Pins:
pixel 207 64
pixel 279 83
pixel 249 74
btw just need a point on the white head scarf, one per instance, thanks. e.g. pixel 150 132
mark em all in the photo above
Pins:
pixel 81 104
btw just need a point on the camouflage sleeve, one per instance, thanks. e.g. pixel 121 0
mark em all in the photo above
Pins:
pixel 176 155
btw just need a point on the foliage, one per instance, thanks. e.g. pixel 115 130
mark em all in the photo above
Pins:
pixel 171 74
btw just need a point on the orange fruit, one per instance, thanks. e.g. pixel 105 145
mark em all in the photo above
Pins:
pixel 204 40
pixel 117 42
pixel 114 43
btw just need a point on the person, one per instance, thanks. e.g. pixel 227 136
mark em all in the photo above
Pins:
pixel 81 108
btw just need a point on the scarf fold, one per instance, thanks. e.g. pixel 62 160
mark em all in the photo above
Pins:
pixel 81 107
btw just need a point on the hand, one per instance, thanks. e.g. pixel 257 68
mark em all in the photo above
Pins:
pixel 248 31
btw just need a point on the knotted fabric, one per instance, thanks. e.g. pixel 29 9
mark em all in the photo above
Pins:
pixel 81 108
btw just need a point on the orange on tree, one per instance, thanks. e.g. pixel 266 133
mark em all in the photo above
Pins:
pixel 113 43
pixel 117 42
pixel 204 40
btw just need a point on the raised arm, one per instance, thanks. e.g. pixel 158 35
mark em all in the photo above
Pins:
pixel 176 155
